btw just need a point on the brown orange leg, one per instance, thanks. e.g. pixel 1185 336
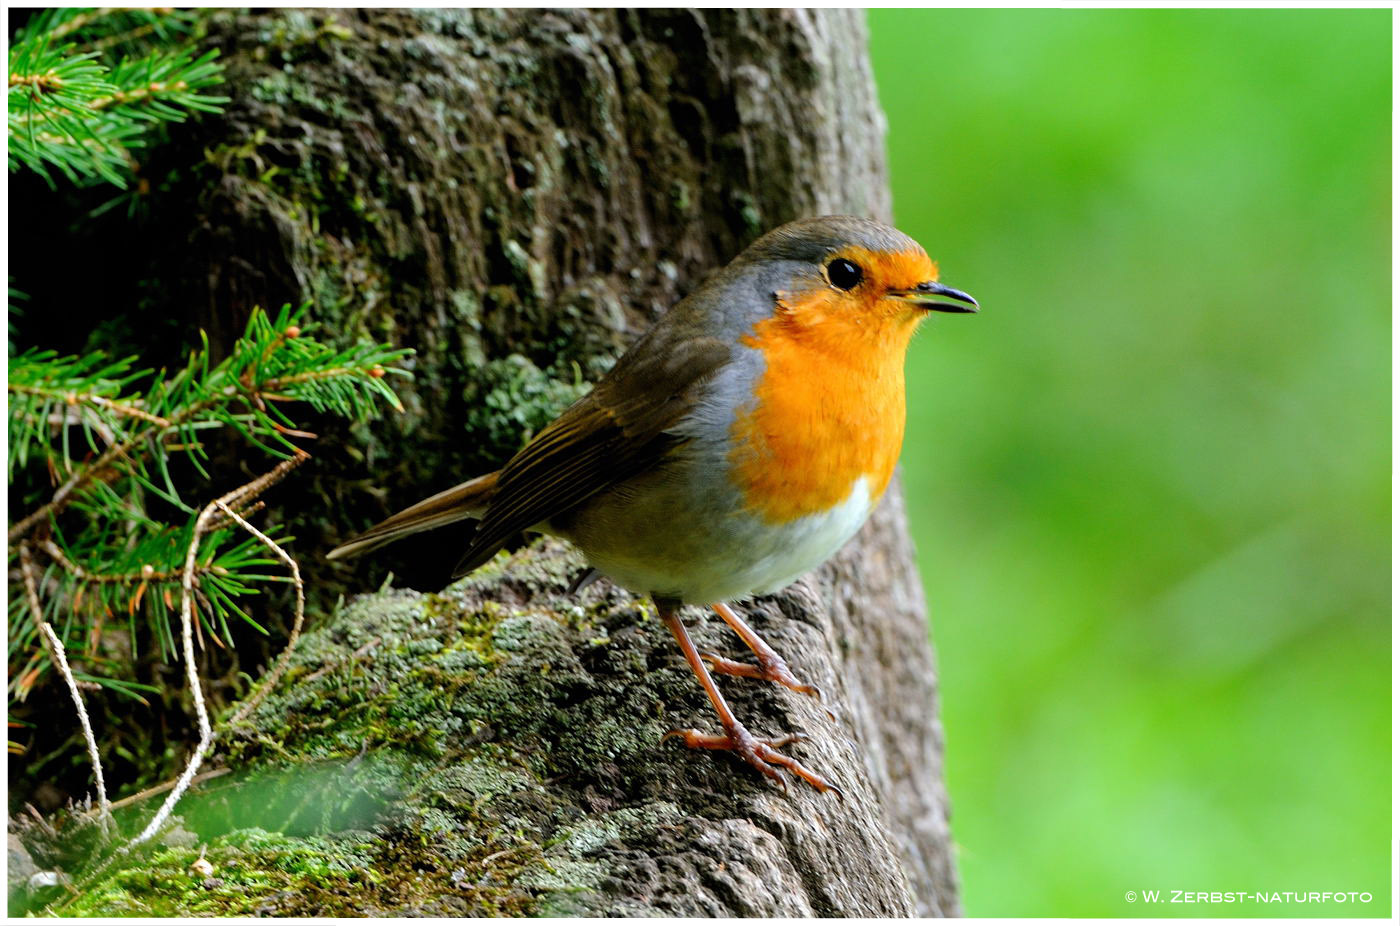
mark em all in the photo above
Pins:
pixel 771 666
pixel 762 754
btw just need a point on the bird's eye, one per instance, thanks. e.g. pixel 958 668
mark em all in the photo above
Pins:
pixel 843 274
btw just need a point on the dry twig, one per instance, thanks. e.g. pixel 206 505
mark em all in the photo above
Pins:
pixel 219 508
pixel 281 665
pixel 60 658
pixel 163 787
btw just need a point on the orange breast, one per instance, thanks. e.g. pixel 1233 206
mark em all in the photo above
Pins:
pixel 828 409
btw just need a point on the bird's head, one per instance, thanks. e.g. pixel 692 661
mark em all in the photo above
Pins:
pixel 841 278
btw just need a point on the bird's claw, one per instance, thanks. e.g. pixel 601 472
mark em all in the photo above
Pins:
pixel 759 752
pixel 773 670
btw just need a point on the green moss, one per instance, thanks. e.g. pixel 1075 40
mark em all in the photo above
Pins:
pixel 510 399
pixel 254 872
pixel 474 752
pixel 247 866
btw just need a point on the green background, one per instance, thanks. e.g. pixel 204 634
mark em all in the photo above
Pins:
pixel 1150 482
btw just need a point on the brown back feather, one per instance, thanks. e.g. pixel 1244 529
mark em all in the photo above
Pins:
pixel 617 431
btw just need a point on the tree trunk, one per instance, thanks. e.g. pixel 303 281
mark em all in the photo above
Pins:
pixel 516 195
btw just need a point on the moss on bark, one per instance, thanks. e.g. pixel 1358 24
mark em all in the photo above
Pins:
pixel 492 749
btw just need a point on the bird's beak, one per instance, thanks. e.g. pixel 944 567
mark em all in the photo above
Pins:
pixel 927 296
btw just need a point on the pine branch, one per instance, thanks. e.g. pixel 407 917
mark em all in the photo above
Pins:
pixel 272 362
pixel 106 430
pixel 73 109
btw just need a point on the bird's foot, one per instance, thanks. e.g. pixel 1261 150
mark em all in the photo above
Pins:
pixel 771 667
pixel 760 752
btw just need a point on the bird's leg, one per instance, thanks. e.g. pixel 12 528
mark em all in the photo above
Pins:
pixel 762 754
pixel 770 666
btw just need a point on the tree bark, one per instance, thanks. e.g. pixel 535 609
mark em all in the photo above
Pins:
pixel 516 195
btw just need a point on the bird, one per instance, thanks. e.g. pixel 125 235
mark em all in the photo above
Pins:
pixel 734 447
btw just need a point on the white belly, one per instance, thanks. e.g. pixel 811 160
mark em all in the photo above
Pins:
pixel 680 551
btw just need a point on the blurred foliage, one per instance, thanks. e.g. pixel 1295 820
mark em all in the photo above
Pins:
pixel 1150 482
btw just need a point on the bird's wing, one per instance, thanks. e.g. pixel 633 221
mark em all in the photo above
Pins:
pixel 617 431
pixel 458 503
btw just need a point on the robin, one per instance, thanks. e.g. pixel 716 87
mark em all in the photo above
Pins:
pixel 736 446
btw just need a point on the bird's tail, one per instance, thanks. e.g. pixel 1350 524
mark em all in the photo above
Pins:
pixel 458 503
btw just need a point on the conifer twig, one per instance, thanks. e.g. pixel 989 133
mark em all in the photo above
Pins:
pixel 70 397
pixel 60 658
pixel 81 21
pixel 97 469
pixel 147 574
